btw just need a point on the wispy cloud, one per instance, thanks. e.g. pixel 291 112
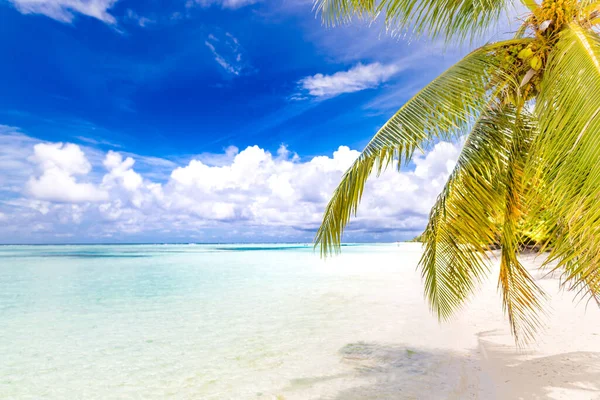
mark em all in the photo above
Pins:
pixel 359 77
pixel 221 61
pixel 65 10
pixel 227 52
pixel 138 19
pixel 96 141
pixel 231 4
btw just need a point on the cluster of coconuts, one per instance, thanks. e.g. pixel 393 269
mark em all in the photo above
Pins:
pixel 523 62
pixel 528 55
pixel 559 12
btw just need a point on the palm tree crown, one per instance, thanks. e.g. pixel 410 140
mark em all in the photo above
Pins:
pixel 530 166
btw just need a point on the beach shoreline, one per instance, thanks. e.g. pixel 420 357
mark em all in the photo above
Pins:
pixel 279 322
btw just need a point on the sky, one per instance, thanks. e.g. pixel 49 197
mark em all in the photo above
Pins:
pixel 127 121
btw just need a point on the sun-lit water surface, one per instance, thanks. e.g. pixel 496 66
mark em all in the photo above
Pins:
pixel 200 321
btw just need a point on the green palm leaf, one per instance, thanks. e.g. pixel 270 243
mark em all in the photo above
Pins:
pixel 460 230
pixel 451 19
pixel 568 110
pixel 442 110
pixel 522 298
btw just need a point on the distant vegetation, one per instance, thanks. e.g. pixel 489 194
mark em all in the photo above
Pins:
pixel 417 239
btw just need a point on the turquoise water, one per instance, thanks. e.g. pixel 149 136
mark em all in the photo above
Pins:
pixel 196 321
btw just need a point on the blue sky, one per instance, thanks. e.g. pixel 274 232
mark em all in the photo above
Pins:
pixel 87 86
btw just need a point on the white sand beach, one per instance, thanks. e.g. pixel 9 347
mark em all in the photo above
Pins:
pixel 475 357
pixel 563 364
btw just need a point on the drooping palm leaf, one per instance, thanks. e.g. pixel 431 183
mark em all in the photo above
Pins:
pixel 459 230
pixel 450 19
pixel 442 110
pixel 480 203
pixel 522 297
pixel 568 110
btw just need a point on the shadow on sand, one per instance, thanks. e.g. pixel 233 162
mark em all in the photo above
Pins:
pixel 385 372
pixel 522 375
pixel 400 372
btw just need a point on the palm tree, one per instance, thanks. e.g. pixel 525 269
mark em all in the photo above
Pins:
pixel 530 110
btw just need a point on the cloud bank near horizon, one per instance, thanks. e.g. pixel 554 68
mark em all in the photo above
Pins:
pixel 66 192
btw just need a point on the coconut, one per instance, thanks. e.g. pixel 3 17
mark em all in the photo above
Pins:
pixel 536 63
pixel 525 53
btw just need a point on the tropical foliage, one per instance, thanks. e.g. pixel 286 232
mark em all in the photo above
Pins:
pixel 529 108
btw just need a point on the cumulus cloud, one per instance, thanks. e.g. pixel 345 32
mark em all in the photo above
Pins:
pixel 59 165
pixel 359 77
pixel 65 10
pixel 121 172
pixel 241 195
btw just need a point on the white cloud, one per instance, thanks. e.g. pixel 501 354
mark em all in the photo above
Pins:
pixel 437 163
pixel 227 52
pixel 359 77
pixel 121 171
pixel 231 4
pixel 279 190
pixel 65 10
pixel 15 148
pixel 59 164
pixel 254 192
pixel 122 181
pixel 220 60
pixel 67 157
pixel 138 19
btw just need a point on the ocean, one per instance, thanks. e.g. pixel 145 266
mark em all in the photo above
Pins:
pixel 218 322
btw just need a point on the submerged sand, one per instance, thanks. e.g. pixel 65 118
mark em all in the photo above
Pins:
pixel 472 357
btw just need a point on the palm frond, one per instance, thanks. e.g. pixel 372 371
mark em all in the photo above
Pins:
pixel 481 204
pixel 589 5
pixel 442 110
pixel 522 297
pixel 450 19
pixel 521 31
pixel 333 11
pixel 568 161
pixel 460 230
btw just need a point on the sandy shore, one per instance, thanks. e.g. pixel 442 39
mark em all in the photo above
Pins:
pixel 473 356
pixel 563 364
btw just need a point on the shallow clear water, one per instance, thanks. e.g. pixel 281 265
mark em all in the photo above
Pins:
pixel 200 321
